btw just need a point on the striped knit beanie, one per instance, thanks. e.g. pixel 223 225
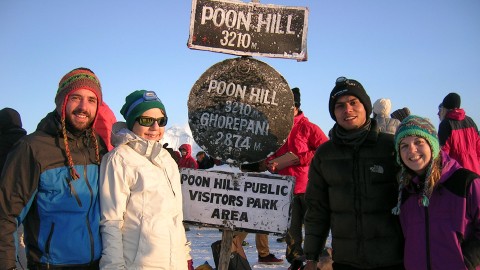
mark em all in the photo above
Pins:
pixel 79 78
pixel 414 125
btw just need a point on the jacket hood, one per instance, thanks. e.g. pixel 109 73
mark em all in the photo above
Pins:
pixel 456 114
pixel 299 117
pixel 121 135
pixel 382 107
pixel 187 147
pixel 9 118
pixel 50 124
pixel 449 166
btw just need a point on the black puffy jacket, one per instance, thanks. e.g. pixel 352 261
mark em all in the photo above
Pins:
pixel 352 191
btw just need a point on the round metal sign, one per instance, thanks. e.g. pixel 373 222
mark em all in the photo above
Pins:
pixel 240 110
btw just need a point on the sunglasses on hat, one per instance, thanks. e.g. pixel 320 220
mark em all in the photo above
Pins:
pixel 343 80
pixel 147 96
pixel 147 121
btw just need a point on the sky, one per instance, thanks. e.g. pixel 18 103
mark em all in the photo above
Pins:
pixel 413 52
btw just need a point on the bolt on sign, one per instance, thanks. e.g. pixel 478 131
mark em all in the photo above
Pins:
pixel 240 110
pixel 250 29
pixel 249 201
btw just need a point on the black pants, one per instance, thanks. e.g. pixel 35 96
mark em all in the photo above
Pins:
pixel 294 238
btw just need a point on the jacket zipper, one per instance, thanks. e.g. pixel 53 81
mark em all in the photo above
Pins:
pixel 169 182
pixel 427 238
pixel 47 244
pixel 87 219
pixel 73 192
pixel 358 201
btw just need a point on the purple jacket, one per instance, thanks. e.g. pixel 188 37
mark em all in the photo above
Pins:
pixel 434 234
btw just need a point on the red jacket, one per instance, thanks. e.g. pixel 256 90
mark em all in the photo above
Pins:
pixel 303 140
pixel 187 161
pixel 459 138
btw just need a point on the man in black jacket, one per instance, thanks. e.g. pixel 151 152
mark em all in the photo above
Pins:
pixel 352 188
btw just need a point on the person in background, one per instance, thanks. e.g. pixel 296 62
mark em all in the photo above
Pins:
pixel 400 114
pixel 140 176
pixel 381 111
pixel 186 160
pixel 103 125
pixel 50 183
pixel 352 188
pixel 10 132
pixel 458 133
pixel 303 140
pixel 204 161
pixel 438 202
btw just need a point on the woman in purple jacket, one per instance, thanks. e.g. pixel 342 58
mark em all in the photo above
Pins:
pixel 438 202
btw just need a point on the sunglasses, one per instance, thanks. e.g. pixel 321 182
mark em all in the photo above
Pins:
pixel 147 121
pixel 344 80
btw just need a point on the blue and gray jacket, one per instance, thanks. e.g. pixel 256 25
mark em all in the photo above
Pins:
pixel 60 215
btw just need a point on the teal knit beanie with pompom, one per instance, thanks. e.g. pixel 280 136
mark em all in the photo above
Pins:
pixel 414 125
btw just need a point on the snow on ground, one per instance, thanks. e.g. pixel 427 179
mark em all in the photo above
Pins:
pixel 202 239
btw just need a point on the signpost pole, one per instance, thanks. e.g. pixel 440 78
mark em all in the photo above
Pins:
pixel 227 238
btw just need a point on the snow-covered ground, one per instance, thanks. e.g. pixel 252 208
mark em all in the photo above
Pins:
pixel 202 239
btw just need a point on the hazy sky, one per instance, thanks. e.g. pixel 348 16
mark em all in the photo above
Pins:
pixel 414 52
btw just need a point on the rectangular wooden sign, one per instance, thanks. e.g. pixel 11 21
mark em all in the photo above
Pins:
pixel 247 201
pixel 250 29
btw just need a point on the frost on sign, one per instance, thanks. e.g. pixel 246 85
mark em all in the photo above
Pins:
pixel 240 110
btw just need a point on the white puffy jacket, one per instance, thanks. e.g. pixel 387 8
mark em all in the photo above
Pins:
pixel 141 205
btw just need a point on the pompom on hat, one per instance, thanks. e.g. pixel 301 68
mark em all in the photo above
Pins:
pixel 400 114
pixel 137 102
pixel 296 96
pixel 344 86
pixel 451 101
pixel 417 126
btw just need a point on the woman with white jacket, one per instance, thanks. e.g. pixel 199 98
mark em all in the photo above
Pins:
pixel 140 193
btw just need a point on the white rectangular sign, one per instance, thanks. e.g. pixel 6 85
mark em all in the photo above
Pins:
pixel 248 201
